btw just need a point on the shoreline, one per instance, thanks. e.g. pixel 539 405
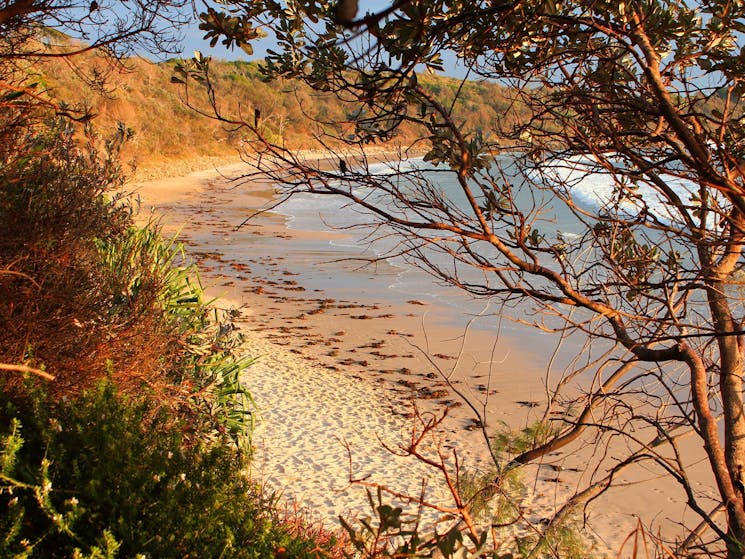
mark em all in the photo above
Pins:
pixel 335 368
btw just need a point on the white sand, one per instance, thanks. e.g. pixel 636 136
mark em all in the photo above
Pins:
pixel 308 416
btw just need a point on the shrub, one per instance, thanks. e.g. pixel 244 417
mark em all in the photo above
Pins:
pixel 82 290
pixel 116 474
pixel 148 282
pixel 54 200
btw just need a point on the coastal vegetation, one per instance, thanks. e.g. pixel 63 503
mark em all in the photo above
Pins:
pixel 168 135
pixel 124 429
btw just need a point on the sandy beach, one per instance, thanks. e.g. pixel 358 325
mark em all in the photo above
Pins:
pixel 339 370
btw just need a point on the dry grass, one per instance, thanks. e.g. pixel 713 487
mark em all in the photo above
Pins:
pixel 302 524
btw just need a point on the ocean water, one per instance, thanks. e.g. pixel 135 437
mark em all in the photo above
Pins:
pixel 597 191
pixel 398 278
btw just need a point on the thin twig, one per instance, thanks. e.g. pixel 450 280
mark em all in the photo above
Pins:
pixel 26 369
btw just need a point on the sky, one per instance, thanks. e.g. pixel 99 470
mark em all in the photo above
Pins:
pixel 193 41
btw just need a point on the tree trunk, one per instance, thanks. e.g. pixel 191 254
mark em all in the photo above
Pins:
pixel 730 388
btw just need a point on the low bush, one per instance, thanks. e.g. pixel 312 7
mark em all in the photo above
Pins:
pixel 55 199
pixel 106 471
pixel 84 291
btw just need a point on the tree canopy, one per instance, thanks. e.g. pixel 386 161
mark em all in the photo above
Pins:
pixel 642 97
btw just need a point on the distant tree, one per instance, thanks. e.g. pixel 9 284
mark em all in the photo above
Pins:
pixel 645 95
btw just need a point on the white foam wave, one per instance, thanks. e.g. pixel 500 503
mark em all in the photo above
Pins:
pixel 598 190
pixel 393 167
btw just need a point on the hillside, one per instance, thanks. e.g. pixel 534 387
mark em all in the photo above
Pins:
pixel 142 96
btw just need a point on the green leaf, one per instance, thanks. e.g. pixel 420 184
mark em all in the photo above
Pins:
pixel 447 543
pixel 13 95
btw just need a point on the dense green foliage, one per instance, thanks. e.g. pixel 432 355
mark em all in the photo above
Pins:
pixel 124 424
pixel 139 446
pixel 103 463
